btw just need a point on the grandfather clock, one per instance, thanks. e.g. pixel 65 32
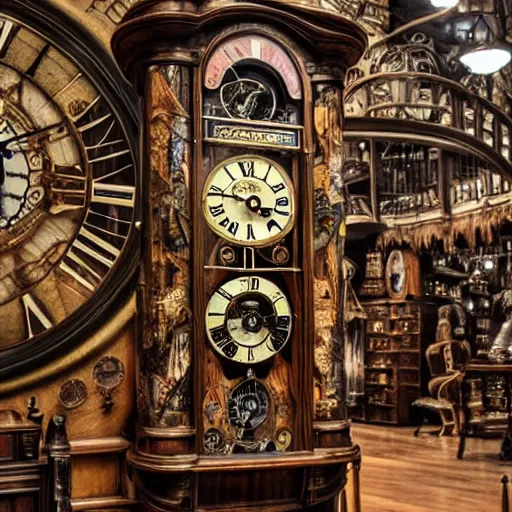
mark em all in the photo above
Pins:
pixel 241 382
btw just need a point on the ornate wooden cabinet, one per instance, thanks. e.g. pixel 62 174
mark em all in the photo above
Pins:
pixel 241 385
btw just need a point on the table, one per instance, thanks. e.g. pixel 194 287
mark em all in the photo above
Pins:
pixel 484 370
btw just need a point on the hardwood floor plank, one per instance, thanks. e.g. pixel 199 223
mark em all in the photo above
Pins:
pixel 402 473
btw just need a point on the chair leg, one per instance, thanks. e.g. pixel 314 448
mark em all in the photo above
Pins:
pixel 422 423
pixel 456 421
pixel 445 423
pixel 504 496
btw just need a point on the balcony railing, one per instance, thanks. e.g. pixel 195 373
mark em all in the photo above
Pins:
pixel 435 100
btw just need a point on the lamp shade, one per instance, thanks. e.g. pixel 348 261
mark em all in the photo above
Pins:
pixel 486 60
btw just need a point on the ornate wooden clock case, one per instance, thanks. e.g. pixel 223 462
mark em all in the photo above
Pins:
pixel 241 387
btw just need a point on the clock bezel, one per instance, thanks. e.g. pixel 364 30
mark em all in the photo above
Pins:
pixel 76 44
pixel 289 184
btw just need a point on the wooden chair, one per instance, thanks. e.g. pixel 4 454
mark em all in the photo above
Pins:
pixel 446 359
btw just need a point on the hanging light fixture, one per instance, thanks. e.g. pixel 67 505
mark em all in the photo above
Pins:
pixel 446 4
pixel 487 60
pixel 484 49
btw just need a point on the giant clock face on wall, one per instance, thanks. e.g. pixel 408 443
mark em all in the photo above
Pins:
pixel 249 200
pixel 67 186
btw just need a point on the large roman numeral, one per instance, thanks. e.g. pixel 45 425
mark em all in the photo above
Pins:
pixel 36 319
pixel 247 168
pixel 67 189
pixel 89 259
pixel 116 195
pixel 104 142
pixel 7 31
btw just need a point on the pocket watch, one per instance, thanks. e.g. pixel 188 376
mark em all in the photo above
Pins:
pixel 248 320
pixel 249 200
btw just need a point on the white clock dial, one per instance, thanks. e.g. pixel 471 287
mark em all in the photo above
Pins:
pixel 248 320
pixel 249 200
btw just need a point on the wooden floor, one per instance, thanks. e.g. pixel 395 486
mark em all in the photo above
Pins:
pixel 401 473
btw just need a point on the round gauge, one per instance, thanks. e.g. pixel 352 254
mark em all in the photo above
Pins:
pixel 248 405
pixel 248 320
pixel 249 201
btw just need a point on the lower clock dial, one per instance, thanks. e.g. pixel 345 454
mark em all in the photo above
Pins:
pixel 248 320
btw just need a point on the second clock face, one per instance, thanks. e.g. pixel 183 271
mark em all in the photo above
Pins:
pixel 248 320
pixel 249 200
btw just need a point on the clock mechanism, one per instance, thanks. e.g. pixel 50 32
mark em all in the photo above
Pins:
pixel 248 406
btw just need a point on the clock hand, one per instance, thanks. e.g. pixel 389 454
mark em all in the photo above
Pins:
pixel 230 196
pixel 40 132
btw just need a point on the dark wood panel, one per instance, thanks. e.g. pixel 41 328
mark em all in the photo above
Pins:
pixel 247 486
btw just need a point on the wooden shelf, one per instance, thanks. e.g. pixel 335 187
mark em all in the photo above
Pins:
pixel 448 273
pixel 396 397
pixel 382 404
pixel 377 302
pixel 379 422
pixel 392 333
pixel 400 351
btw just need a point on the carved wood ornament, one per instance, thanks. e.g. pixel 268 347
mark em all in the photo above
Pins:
pixel 241 299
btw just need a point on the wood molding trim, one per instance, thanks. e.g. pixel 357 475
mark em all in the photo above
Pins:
pixel 206 464
pixel 151 25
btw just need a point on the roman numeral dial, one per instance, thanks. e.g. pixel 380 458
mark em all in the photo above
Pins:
pixel 249 201
pixel 67 187
pixel 248 320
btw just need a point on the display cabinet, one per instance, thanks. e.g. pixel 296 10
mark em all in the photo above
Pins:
pixel 397 334
pixel 241 385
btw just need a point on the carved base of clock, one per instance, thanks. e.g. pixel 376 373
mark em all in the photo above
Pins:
pixel 171 477
pixel 280 483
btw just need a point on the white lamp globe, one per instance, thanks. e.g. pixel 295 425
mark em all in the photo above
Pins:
pixel 444 3
pixel 486 61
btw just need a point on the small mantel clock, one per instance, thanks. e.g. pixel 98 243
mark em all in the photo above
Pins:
pixel 241 379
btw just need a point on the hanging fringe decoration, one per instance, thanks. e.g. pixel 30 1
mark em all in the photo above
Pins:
pixel 484 222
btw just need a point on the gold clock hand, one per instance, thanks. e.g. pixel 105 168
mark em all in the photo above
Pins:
pixel 40 132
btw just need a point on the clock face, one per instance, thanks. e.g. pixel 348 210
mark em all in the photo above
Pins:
pixel 67 186
pixel 249 200
pixel 248 320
